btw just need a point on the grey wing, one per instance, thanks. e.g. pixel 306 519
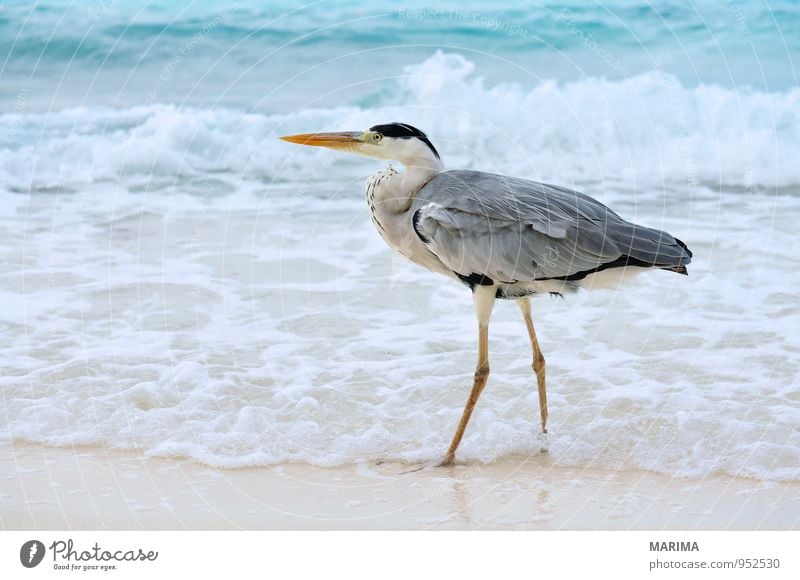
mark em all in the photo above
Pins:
pixel 513 230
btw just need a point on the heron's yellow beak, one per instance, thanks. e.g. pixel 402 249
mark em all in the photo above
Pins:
pixel 345 141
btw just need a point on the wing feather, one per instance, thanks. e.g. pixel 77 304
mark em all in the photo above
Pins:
pixel 513 230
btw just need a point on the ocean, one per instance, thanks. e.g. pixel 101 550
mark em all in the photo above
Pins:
pixel 178 281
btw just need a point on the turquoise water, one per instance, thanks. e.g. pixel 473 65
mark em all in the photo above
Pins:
pixel 114 52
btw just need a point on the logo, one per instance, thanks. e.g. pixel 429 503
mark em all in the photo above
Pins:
pixel 31 553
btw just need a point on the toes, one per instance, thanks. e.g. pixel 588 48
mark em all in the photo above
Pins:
pixel 448 461
pixel 417 468
pixel 544 443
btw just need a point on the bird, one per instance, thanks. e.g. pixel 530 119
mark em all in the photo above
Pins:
pixel 504 238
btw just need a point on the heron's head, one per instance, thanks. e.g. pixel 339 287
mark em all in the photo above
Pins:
pixel 394 141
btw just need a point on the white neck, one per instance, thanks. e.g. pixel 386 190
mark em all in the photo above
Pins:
pixel 395 191
pixel 421 166
pixel 415 177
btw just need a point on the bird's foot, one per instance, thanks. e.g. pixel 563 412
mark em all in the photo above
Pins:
pixel 417 468
pixel 544 443
pixel 448 461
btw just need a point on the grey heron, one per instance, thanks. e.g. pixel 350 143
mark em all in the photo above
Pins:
pixel 502 237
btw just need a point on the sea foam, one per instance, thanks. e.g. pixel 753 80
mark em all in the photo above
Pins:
pixel 644 130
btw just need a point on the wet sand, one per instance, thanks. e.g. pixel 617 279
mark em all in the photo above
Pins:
pixel 96 488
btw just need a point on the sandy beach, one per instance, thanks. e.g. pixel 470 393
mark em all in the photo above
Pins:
pixel 95 488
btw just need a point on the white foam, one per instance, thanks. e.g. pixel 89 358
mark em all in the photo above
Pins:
pixel 645 130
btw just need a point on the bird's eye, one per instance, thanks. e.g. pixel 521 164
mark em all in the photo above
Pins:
pixel 377 137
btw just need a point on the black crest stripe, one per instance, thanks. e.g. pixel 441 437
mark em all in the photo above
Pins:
pixel 404 131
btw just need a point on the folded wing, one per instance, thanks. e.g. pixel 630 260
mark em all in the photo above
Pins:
pixel 511 230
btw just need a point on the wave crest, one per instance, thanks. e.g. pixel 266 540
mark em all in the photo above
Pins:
pixel 647 129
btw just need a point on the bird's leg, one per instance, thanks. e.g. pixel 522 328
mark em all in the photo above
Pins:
pixel 538 368
pixel 484 297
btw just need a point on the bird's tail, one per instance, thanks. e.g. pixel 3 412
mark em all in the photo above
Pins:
pixel 679 269
pixel 687 257
pixel 654 248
